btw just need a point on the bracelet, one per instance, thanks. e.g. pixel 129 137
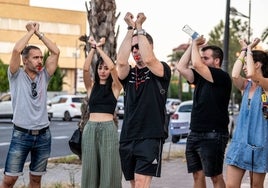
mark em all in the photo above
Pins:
pixel 244 50
pixel 130 27
pixel 242 60
pixel 93 47
pixel 141 32
pixel 40 36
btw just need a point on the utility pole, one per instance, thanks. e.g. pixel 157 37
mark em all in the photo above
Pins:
pixel 226 37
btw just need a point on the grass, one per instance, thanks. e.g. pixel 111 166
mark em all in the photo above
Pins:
pixel 70 159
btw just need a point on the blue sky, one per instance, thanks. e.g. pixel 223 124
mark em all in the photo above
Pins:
pixel 165 20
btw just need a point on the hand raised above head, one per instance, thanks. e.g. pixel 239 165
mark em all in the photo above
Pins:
pixel 92 41
pixel 254 43
pixel 31 26
pixel 200 40
pixel 129 19
pixel 101 42
pixel 140 19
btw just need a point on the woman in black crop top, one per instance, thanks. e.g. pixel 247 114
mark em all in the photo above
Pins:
pixel 100 146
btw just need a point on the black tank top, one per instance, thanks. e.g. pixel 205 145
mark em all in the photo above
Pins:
pixel 102 100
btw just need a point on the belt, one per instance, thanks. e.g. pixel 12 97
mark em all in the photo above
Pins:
pixel 31 132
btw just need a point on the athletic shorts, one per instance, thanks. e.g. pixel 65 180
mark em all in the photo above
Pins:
pixel 141 157
pixel 21 145
pixel 205 151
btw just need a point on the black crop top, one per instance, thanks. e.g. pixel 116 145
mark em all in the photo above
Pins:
pixel 101 100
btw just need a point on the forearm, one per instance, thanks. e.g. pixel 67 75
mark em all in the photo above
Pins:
pixel 238 65
pixel 86 69
pixel 125 49
pixel 251 70
pixel 52 47
pixel 146 50
pixel 184 60
pixel 18 48
pixel 196 58
pixel 106 58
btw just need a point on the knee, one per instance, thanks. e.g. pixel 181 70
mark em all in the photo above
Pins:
pixel 35 179
pixel 9 181
pixel 217 179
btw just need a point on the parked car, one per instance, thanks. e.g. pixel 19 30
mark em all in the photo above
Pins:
pixel 180 122
pixel 172 104
pixel 66 107
pixel 6 110
pixel 119 109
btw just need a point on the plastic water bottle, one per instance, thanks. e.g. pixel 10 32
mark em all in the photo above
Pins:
pixel 187 29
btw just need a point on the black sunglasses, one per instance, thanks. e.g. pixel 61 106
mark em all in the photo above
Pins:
pixel 34 92
pixel 135 46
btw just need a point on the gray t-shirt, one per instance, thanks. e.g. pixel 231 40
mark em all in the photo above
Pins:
pixel 29 112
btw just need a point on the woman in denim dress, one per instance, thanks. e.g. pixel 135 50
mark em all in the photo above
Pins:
pixel 248 149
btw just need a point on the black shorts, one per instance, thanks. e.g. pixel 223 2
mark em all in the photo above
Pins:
pixel 141 157
pixel 205 151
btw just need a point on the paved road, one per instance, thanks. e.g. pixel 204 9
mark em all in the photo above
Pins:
pixel 174 173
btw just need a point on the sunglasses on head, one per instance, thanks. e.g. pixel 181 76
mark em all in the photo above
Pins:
pixel 34 92
pixel 135 46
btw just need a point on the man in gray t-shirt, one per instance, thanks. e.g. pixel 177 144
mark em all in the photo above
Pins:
pixel 28 86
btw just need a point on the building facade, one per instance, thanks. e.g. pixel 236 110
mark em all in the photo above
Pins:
pixel 63 27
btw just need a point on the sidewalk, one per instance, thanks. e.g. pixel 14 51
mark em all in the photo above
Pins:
pixel 174 173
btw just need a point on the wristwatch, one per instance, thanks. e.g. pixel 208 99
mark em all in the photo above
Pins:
pixel 141 32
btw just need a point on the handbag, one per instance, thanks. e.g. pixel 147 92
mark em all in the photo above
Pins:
pixel 75 142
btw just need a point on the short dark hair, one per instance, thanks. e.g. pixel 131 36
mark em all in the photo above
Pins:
pixel 217 52
pixel 262 57
pixel 26 50
pixel 148 36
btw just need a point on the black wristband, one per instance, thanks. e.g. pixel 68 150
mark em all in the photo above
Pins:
pixel 93 47
pixel 130 27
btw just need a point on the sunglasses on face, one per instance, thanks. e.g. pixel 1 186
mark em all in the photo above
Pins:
pixel 34 92
pixel 134 46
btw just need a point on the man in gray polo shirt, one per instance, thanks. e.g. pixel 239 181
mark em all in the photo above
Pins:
pixel 28 86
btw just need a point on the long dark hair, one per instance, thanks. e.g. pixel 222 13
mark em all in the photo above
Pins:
pixel 262 57
pixel 97 78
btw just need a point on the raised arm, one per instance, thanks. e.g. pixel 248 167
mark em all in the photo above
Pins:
pixel 183 65
pixel 197 61
pixel 125 48
pixel 238 80
pixel 87 66
pixel 15 60
pixel 146 48
pixel 53 58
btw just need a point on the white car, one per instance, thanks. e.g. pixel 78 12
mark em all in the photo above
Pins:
pixel 66 107
pixel 6 110
pixel 180 122
pixel 172 104
pixel 119 109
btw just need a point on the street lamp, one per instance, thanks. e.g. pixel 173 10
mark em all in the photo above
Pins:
pixel 75 55
pixel 234 12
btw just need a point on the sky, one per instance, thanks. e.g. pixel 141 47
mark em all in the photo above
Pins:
pixel 165 19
